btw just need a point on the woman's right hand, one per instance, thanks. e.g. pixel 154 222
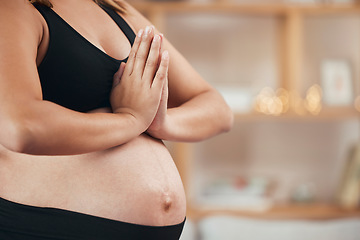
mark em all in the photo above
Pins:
pixel 138 84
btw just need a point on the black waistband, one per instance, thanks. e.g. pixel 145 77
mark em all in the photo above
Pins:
pixel 20 221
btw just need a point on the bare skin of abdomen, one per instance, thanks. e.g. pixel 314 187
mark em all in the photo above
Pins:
pixel 136 182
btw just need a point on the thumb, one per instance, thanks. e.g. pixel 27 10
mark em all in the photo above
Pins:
pixel 118 74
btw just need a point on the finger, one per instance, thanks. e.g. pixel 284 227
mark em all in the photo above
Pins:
pixel 118 74
pixel 161 46
pixel 143 50
pixel 165 92
pixel 162 72
pixel 152 60
pixel 121 69
pixel 132 55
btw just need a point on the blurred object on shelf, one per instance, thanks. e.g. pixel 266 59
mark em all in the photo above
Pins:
pixel 303 1
pixel 297 104
pixel 323 1
pixel 349 192
pixel 246 193
pixel 161 0
pixel 272 102
pixel 357 103
pixel 278 102
pixel 284 97
pixel 239 99
pixel 313 99
pixel 304 193
pixel 336 82
pixel 341 1
pixel 254 1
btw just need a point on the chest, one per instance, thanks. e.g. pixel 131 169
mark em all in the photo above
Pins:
pixel 95 27
pixel 77 59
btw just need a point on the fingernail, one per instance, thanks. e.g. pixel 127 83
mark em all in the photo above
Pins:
pixel 140 32
pixel 165 55
pixel 147 30
pixel 156 38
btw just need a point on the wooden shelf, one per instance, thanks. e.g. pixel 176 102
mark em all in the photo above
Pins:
pixel 209 7
pixel 327 114
pixel 320 211
pixel 291 49
pixel 233 7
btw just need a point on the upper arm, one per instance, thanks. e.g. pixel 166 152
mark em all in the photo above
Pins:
pixel 21 32
pixel 184 82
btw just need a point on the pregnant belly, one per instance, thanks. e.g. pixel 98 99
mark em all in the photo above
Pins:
pixel 137 182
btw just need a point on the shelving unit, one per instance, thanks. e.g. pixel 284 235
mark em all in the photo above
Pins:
pixel 291 42
pixel 327 114
pixel 283 212
pixel 233 7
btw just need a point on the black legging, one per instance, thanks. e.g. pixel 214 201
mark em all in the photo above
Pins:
pixel 24 222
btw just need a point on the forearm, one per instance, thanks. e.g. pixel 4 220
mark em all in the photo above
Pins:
pixel 49 129
pixel 201 117
pixel 41 127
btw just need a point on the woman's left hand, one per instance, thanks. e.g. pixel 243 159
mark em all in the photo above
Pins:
pixel 159 125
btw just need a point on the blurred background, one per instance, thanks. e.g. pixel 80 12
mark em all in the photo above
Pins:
pixel 290 70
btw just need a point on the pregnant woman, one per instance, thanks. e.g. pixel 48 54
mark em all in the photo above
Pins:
pixel 85 103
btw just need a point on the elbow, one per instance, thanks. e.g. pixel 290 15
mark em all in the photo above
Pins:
pixel 18 137
pixel 223 113
pixel 23 142
pixel 228 119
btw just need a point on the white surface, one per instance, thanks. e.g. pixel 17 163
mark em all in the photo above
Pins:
pixel 232 228
pixel 240 100
pixel 248 203
pixel 189 232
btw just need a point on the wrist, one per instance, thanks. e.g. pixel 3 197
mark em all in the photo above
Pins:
pixel 132 122
pixel 172 126
pixel 161 130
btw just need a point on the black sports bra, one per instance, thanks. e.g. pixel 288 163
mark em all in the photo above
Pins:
pixel 75 73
